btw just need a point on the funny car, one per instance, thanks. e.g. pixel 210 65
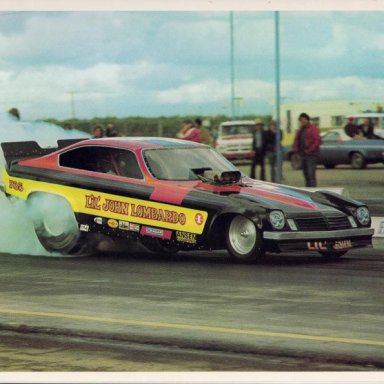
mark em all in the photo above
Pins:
pixel 172 195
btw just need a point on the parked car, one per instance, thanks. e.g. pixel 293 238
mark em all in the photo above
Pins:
pixel 234 140
pixel 338 148
pixel 172 195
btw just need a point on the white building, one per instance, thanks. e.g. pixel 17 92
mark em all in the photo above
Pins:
pixel 325 114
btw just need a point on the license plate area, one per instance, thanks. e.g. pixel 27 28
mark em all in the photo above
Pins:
pixel 327 245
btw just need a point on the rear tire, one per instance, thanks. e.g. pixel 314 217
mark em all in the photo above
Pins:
pixel 358 161
pixel 243 239
pixel 55 224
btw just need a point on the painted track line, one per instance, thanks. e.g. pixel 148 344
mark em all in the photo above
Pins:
pixel 191 327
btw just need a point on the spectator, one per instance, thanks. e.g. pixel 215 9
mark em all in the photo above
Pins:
pixel 258 145
pixel 111 130
pixel 205 137
pixel 366 129
pixel 270 147
pixel 307 144
pixel 189 132
pixel 351 129
pixel 14 114
pixel 98 132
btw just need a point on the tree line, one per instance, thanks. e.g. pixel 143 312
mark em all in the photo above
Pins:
pixel 166 126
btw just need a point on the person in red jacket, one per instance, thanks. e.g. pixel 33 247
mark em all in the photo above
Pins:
pixel 307 144
pixel 190 131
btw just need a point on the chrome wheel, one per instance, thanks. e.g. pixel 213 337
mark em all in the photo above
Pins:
pixel 243 239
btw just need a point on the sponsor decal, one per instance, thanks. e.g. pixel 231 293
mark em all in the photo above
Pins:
pixel 156 232
pixel 16 185
pixel 112 223
pixel 186 237
pixel 138 210
pixel 323 245
pixel 342 244
pixel 126 226
pixel 199 219
pixel 317 245
pixel 99 220
pixel 84 227
pixel 134 227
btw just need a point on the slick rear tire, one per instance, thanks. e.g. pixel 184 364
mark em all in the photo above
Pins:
pixel 333 255
pixel 244 240
pixel 55 224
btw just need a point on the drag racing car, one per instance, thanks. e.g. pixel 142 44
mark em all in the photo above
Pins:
pixel 172 195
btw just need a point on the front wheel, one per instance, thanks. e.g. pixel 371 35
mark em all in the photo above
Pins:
pixel 244 242
pixel 55 223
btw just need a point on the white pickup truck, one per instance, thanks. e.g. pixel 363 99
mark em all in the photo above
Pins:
pixel 234 140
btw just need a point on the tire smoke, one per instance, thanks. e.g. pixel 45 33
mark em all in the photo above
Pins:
pixel 17 235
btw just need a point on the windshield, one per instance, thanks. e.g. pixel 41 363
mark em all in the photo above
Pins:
pixel 184 163
pixel 227 130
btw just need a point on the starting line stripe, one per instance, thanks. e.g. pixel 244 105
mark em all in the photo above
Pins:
pixel 207 328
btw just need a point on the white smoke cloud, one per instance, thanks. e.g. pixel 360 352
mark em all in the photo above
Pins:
pixel 17 235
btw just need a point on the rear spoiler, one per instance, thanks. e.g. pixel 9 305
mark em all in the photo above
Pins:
pixel 20 150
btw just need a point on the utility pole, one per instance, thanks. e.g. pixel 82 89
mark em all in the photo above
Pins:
pixel 72 94
pixel 278 165
pixel 232 66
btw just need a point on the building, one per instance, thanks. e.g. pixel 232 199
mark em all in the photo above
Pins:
pixel 325 113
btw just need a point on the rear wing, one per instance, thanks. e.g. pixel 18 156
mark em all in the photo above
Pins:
pixel 20 150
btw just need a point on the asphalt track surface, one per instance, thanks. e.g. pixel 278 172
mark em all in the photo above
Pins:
pixel 135 311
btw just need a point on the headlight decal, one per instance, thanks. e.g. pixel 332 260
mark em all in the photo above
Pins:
pixel 277 219
pixel 363 216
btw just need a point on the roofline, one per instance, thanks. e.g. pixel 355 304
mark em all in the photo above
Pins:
pixel 238 122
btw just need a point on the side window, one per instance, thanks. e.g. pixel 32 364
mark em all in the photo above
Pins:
pixel 331 136
pixel 127 164
pixel 103 160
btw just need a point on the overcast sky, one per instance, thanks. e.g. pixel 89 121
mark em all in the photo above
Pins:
pixel 165 63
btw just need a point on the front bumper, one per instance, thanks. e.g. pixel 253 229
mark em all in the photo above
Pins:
pixel 319 235
pixel 326 241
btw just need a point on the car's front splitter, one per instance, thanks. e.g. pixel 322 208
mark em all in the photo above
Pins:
pixel 321 241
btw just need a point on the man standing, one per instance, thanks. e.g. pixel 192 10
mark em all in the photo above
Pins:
pixel 366 129
pixel 351 129
pixel 98 132
pixel 270 147
pixel 258 145
pixel 307 145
